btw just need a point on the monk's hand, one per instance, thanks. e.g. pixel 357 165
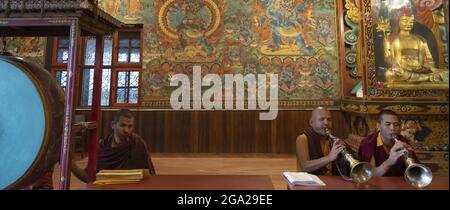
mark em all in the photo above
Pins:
pixel 337 148
pixel 398 150
pixel 405 146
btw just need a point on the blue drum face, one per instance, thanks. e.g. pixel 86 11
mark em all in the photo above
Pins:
pixel 22 123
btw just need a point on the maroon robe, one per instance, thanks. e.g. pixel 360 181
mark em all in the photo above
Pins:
pixel 315 152
pixel 130 153
pixel 368 148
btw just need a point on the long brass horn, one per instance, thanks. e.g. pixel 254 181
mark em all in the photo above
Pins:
pixel 417 175
pixel 360 172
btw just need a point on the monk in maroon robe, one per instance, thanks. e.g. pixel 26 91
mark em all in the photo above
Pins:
pixel 382 151
pixel 130 153
pixel 124 149
pixel 315 152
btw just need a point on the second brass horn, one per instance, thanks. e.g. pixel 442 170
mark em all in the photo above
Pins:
pixel 417 175
pixel 359 171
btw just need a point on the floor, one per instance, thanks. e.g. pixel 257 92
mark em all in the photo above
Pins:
pixel 234 164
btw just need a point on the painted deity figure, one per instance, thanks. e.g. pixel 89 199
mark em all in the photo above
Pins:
pixel 287 24
pixel 192 28
pixel 134 7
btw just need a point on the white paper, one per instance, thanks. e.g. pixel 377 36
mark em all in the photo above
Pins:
pixel 302 178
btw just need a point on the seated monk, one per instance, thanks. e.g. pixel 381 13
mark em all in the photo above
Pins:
pixel 382 151
pixel 315 153
pixel 124 149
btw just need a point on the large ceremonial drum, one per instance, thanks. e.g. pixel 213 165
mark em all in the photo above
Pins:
pixel 31 114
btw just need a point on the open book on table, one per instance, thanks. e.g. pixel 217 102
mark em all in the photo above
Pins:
pixel 302 178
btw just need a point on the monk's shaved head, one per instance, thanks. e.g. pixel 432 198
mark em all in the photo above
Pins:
pixel 319 110
pixel 320 119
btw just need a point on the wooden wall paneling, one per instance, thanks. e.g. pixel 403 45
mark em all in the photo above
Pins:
pixel 263 135
pixel 178 128
pixel 222 131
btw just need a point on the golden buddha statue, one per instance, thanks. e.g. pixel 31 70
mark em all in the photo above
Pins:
pixel 409 59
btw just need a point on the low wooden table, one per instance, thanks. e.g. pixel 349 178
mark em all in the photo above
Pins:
pixel 375 183
pixel 193 182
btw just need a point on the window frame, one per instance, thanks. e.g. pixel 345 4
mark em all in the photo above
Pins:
pixel 114 81
pixel 55 66
pixel 55 53
pixel 83 67
pixel 115 58
pixel 120 66
pixel 115 67
pixel 55 69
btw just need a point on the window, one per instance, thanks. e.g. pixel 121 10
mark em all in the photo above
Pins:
pixel 62 53
pixel 87 84
pixel 129 49
pixel 60 59
pixel 127 87
pixel 89 56
pixel 88 87
pixel 128 66
pixel 61 76
pixel 121 69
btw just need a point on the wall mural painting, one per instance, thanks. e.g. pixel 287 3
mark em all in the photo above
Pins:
pixel 424 132
pixel 360 126
pixel 410 48
pixel 295 39
pixel 31 48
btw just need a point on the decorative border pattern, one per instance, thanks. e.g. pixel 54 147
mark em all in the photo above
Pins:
pixel 352 18
pixel 399 107
pixel 283 104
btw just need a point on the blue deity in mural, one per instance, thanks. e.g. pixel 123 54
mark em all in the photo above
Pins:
pixel 190 22
pixel 323 74
pixel 289 79
pixel 287 21
pixel 192 25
